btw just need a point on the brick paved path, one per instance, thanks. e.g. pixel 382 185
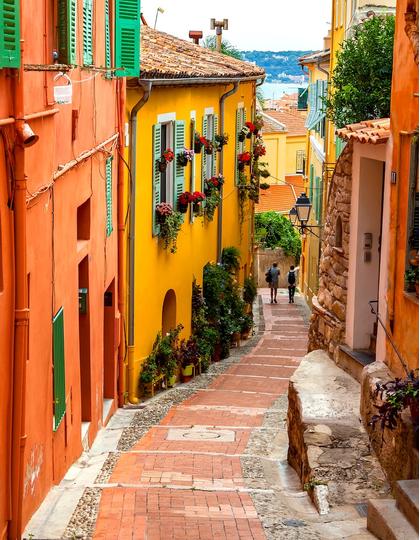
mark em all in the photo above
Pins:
pixel 183 479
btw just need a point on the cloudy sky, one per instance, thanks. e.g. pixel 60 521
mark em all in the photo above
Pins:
pixel 263 25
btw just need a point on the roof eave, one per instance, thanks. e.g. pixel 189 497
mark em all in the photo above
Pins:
pixel 191 81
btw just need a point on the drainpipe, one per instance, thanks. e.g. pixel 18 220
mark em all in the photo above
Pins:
pixel 222 129
pixel 147 87
pixel 21 310
pixel 122 379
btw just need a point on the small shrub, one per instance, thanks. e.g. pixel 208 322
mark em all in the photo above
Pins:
pixel 231 258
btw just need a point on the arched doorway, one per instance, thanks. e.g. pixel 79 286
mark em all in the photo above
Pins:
pixel 169 312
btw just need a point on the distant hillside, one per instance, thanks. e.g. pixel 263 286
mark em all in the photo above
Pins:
pixel 280 66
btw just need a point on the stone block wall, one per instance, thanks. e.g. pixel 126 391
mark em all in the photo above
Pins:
pixel 328 321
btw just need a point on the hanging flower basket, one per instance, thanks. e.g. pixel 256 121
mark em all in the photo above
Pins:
pixel 184 157
pixel 244 159
pixel 221 140
pixel 264 173
pixel 209 148
pixel 198 142
pixel 197 198
pixel 184 201
pixel 162 165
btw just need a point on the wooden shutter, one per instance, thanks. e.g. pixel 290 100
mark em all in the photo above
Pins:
pixel 127 38
pixel 157 136
pixel 108 194
pixel 67 19
pixel 316 197
pixel 320 198
pixel 87 32
pixel 10 33
pixel 204 155
pixel 59 369
pixel 239 116
pixel 179 171
pixel 215 132
pixel 107 39
pixel 192 186
pixel 311 183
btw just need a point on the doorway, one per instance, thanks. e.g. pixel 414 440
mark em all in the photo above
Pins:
pixel 109 352
pixel 84 347
pixel 169 312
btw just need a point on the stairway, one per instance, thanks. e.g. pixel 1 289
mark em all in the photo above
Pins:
pixel 353 361
pixel 398 519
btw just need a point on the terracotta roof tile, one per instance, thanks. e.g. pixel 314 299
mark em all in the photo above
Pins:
pixel 271 125
pixel 294 121
pixel 167 57
pixel 369 131
pixel 279 197
pixel 314 57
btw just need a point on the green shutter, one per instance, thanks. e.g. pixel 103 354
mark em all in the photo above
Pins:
pixel 108 192
pixel 311 183
pixel 204 155
pixel 127 38
pixel 239 116
pixel 179 171
pixel 316 198
pixel 215 131
pixel 67 18
pixel 320 199
pixel 107 39
pixel 157 136
pixel 192 187
pixel 87 32
pixel 59 369
pixel 9 33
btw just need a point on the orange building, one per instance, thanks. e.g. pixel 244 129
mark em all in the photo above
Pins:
pixel 61 106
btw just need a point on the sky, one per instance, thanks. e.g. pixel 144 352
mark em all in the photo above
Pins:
pixel 263 25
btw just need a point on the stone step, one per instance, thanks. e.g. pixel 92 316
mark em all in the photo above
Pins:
pixel 353 361
pixel 386 522
pixel 407 495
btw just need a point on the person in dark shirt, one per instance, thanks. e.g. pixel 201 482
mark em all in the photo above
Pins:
pixel 291 280
pixel 274 283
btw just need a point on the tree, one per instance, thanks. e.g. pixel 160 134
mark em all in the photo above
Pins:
pixel 361 81
pixel 272 230
pixel 227 48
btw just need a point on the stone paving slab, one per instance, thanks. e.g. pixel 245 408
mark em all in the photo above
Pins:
pixel 251 384
pixel 253 370
pixel 211 416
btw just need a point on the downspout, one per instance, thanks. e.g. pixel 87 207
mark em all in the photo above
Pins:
pixel 147 87
pixel 222 129
pixel 21 311
pixel 122 379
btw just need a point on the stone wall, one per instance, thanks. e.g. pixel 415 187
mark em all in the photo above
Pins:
pixel 263 259
pixel 328 321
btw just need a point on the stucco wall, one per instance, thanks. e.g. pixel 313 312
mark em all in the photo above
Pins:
pixel 264 258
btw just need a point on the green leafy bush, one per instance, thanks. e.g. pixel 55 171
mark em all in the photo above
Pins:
pixel 250 290
pixel 361 80
pixel 231 258
pixel 272 230
pixel 163 360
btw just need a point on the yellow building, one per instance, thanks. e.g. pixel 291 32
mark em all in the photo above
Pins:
pixel 317 167
pixel 285 140
pixel 183 90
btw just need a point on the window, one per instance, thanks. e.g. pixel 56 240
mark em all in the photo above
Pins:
pixel 317 92
pixel 83 221
pixel 127 38
pixel 9 34
pixel 108 195
pixel 318 198
pixel 59 374
pixel 240 146
pixel 412 258
pixel 67 14
pixel 169 184
pixel 208 161
pixel 300 161
pixel 87 32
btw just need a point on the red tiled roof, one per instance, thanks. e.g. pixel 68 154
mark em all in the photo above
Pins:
pixel 167 57
pixel 280 197
pixel 294 121
pixel 369 131
pixel 314 57
pixel 271 125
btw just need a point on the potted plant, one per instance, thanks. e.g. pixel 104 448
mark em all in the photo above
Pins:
pixel 246 326
pixel 264 186
pixel 244 159
pixel 170 224
pixel 184 201
pixel 221 140
pixel 189 357
pixel 208 147
pixel 231 259
pixel 411 276
pixel 397 395
pixel 251 129
pixel 258 124
pixel 259 149
pixel 166 157
pixel 184 157
pixel 198 142
pixel 213 199
pixel 243 134
pixel 197 198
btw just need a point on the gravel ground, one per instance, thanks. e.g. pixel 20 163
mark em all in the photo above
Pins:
pixel 82 523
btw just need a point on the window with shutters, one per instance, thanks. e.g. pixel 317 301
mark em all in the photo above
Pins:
pixel 66 28
pixel 166 177
pixel 9 33
pixel 300 161
pixel 240 145
pixel 59 369
pixel 210 159
pixel 127 38
pixel 108 195
pixel 87 32
pixel 311 184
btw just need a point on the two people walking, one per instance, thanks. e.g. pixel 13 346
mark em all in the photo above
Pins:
pixel 272 278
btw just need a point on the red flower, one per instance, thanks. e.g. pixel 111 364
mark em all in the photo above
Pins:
pixel 185 198
pixel 168 155
pixel 250 126
pixel 203 141
pixel 197 197
pixel 244 158
pixel 259 150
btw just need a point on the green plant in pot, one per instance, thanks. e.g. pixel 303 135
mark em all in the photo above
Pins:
pixel 250 290
pixel 189 358
pixel 247 323
pixel 170 223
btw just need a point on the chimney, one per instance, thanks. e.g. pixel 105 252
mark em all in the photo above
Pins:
pixel 196 35
pixel 327 41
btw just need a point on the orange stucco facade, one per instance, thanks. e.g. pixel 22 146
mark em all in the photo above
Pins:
pixel 402 306
pixel 64 246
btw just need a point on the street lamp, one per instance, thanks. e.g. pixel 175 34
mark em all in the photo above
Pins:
pixel 159 10
pixel 299 215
